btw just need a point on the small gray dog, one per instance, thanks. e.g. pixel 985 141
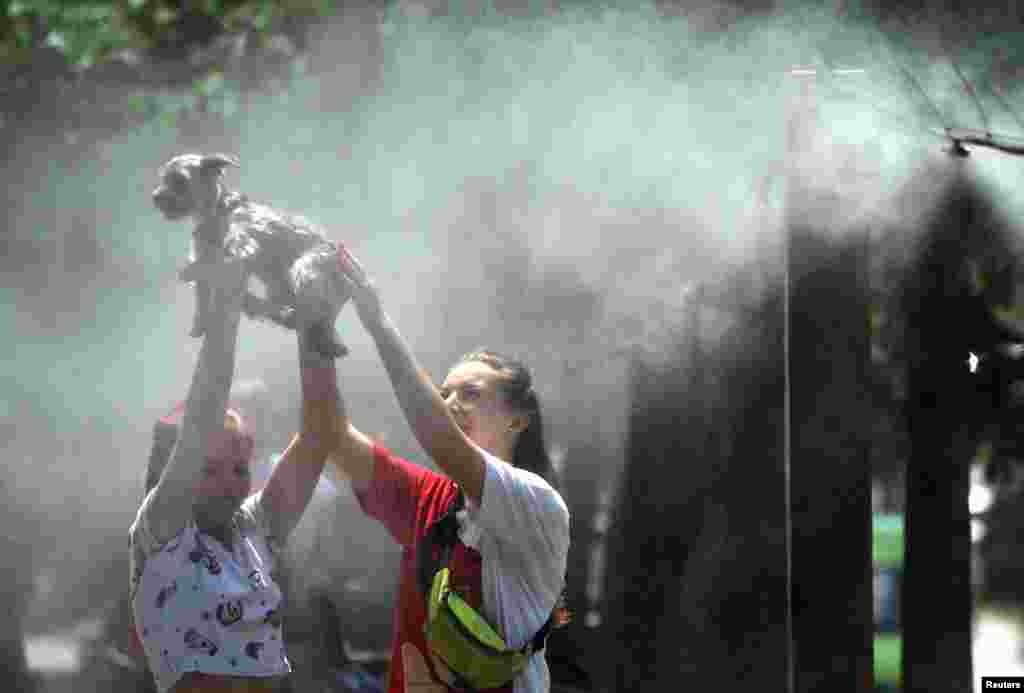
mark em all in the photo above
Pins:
pixel 295 261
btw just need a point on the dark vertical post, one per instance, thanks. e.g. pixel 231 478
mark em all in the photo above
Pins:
pixel 696 578
pixel 829 479
pixel 936 606
pixel 570 650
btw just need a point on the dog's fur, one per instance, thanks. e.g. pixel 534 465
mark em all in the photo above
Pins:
pixel 293 258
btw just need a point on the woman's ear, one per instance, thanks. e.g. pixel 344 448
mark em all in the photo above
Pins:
pixel 519 423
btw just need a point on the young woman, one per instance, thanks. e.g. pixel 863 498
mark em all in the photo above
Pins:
pixel 204 551
pixel 483 429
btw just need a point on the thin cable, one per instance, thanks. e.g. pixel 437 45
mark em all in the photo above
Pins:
pixel 786 466
pixel 787 477
pixel 969 88
pixel 908 77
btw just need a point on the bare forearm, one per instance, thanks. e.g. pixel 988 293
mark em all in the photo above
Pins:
pixel 423 407
pixel 291 485
pixel 323 410
pixel 351 451
pixel 211 384
pixel 426 412
pixel 204 415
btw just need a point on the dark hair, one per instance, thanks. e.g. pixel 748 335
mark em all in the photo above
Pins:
pixel 530 452
pixel 517 391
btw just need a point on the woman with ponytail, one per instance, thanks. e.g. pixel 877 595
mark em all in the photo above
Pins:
pixel 483 429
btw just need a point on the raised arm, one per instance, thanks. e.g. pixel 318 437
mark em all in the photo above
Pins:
pixel 352 453
pixel 425 411
pixel 294 479
pixel 170 506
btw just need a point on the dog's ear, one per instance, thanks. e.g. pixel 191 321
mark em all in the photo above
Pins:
pixel 216 163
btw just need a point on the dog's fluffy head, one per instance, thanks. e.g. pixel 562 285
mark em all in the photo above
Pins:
pixel 189 184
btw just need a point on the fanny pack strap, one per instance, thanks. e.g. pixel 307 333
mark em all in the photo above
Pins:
pixel 442 536
pixel 540 639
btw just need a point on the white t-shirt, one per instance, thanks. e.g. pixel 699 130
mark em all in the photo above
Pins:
pixel 521 530
pixel 200 607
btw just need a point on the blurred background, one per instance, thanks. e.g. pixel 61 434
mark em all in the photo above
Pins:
pixel 769 308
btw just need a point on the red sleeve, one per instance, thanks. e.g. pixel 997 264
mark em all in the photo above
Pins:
pixel 402 495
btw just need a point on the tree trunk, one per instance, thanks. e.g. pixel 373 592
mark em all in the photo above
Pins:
pixel 936 594
pixel 829 474
pixel 696 562
pixel 945 321
pixel 830 470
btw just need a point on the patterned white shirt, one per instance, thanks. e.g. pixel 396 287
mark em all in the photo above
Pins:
pixel 201 607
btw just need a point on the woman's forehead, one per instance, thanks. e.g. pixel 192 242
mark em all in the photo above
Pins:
pixel 470 372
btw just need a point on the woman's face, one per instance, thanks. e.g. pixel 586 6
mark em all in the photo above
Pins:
pixel 472 392
pixel 225 481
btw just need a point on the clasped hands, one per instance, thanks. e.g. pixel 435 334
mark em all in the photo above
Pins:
pixel 364 292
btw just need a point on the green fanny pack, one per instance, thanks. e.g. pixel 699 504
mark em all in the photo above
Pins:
pixel 474 651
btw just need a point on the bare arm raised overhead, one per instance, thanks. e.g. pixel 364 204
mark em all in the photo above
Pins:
pixel 294 479
pixel 426 412
pixel 170 507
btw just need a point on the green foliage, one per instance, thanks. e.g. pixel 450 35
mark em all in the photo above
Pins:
pixel 84 32
pixel 52 37
pixel 887 656
pixel 88 32
pixel 887 540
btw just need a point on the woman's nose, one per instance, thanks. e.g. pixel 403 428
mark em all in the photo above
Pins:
pixel 453 405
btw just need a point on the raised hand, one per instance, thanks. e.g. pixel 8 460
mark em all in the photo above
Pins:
pixel 364 293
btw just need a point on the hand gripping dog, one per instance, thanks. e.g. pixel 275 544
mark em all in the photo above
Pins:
pixel 293 258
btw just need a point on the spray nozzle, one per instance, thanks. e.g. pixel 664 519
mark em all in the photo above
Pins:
pixel 957 149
